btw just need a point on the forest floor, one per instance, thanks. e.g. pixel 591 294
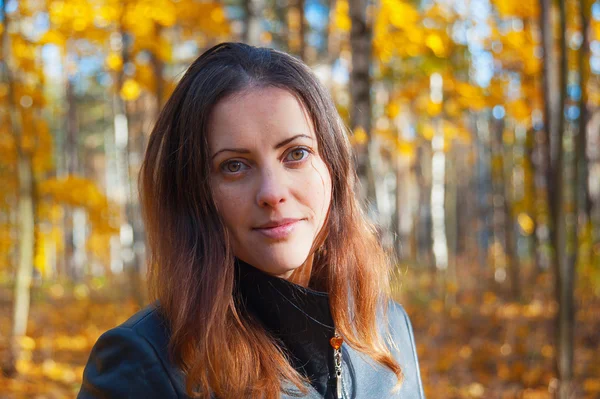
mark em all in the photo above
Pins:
pixel 471 344
pixel 484 346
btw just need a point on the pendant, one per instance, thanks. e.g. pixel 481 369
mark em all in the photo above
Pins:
pixel 336 342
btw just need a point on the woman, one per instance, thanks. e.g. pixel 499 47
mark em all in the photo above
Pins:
pixel 269 282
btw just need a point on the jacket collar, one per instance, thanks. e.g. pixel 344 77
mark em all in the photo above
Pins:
pixel 298 317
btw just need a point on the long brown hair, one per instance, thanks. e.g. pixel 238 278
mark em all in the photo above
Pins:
pixel 191 265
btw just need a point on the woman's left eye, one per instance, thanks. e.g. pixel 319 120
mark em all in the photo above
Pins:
pixel 297 154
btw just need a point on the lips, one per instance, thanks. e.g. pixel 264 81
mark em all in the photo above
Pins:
pixel 278 229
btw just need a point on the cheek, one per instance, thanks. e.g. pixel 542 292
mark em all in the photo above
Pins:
pixel 230 205
pixel 319 192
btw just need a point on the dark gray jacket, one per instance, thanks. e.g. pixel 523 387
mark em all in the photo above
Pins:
pixel 131 360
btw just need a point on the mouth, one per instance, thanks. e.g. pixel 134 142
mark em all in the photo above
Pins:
pixel 278 230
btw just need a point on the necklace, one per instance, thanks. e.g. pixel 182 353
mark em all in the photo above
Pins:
pixel 336 342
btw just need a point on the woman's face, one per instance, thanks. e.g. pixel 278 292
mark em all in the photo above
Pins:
pixel 269 183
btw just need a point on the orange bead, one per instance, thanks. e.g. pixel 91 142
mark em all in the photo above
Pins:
pixel 336 342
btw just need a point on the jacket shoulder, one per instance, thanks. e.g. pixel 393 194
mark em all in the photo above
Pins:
pixel 131 361
pixel 150 325
pixel 404 349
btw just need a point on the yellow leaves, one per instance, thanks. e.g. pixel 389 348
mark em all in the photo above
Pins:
pixel 266 38
pixel 428 132
pixel 53 37
pixel 218 15
pixel 399 29
pixel 341 17
pixel 207 18
pixel 146 77
pixel 518 51
pixel 35 140
pixel 131 90
pixel 7 146
pixel 526 223
pixel 592 385
pixel 144 18
pixel 359 136
pixel 72 15
pixel 401 14
pixel 163 50
pixel 98 245
pixel 114 61
pixel 79 192
pixel 107 14
pixel 6 240
pixel 436 44
pixel 62 372
pixel 42 155
pixel 140 28
pixel 77 342
pixel 475 390
pixel 470 96
pixel 514 39
pixel 395 143
pixel 26 343
pixel 23 53
pixel 520 110
pixel 392 110
pixel 164 13
pixel 154 43
pixel 434 109
pixel 452 108
pixel 405 148
pixel 517 8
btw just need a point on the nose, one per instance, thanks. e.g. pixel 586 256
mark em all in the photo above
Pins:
pixel 272 189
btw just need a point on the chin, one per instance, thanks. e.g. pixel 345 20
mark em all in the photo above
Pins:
pixel 281 262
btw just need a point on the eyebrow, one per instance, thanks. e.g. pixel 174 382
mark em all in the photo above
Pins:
pixel 277 146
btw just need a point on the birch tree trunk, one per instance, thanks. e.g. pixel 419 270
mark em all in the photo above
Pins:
pixel 25 212
pixel 25 266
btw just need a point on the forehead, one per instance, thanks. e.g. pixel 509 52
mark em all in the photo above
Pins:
pixel 259 115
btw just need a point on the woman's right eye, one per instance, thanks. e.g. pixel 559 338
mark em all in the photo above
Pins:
pixel 232 166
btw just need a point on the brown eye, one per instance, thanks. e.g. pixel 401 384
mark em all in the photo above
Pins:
pixel 233 166
pixel 297 154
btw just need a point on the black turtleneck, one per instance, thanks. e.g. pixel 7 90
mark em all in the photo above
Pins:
pixel 300 318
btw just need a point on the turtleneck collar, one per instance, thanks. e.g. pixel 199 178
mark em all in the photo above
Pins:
pixel 300 318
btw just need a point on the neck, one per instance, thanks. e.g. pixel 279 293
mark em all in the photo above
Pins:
pixel 301 275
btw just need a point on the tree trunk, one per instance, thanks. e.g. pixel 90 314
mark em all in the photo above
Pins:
pixel 25 212
pixel 360 94
pixel 552 112
pixel 451 226
pixel 581 146
pixel 25 266
pixel 513 263
pixel 131 262
pixel 302 32
pixel 484 211
pixel 565 238
pixel 253 15
pixel 499 215
pixel 423 225
pixel 72 263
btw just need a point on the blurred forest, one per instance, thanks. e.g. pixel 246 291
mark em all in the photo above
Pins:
pixel 476 127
